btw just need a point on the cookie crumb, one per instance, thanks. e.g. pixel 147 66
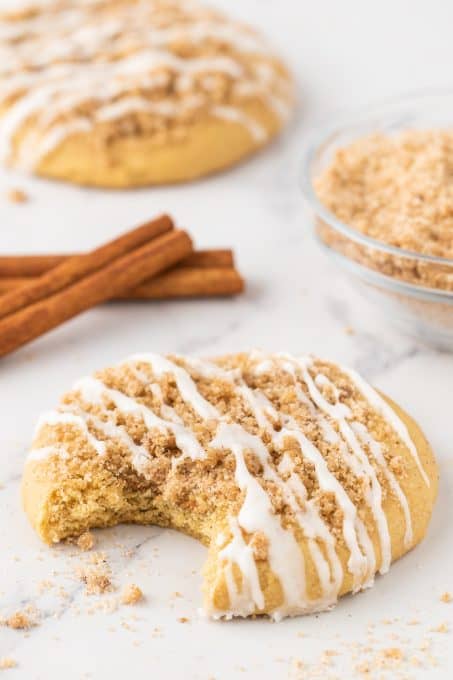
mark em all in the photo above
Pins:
pixel 183 619
pixel 132 594
pixel 446 597
pixel 17 196
pixel 7 662
pixel 442 628
pixel 97 581
pixel 98 558
pixel 86 541
pixel 363 668
pixel 349 330
pixel 394 653
pixel 20 621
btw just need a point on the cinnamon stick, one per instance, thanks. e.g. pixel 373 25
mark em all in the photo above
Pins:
pixel 205 273
pixel 74 268
pixel 30 266
pixel 111 280
pixel 189 282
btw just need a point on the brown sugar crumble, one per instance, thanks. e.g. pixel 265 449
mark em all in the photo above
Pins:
pixel 17 196
pixel 132 594
pixel 86 541
pixel 397 189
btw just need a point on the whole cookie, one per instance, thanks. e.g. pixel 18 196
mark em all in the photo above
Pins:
pixel 122 93
pixel 303 480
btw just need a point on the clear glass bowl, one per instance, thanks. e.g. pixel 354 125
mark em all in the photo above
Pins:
pixel 414 291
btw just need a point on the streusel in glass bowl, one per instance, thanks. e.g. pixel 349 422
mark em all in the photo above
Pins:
pixel 380 187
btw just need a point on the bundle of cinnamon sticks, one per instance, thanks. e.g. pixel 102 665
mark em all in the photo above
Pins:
pixel 154 261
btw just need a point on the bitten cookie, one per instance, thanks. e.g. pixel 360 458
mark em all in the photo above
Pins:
pixel 302 479
pixel 122 93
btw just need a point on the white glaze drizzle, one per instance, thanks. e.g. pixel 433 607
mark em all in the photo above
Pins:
pixel 286 558
pixel 94 390
pixel 256 515
pixel 258 132
pixel 184 382
pixel 360 430
pixel 57 418
pixel 376 450
pixel 355 456
pixel 361 565
pixel 242 600
pixel 389 415
pixel 329 571
pixel 70 55
pixel 43 452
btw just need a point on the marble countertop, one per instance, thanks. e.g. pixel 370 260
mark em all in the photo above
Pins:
pixel 344 54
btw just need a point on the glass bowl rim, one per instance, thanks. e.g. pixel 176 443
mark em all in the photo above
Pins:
pixel 373 277
pixel 347 121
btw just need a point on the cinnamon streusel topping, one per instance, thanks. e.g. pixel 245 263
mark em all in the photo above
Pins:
pixel 127 67
pixel 397 189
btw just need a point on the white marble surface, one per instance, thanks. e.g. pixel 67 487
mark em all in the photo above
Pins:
pixel 343 54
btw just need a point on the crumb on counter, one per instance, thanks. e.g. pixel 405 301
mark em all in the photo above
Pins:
pixel 86 541
pixel 20 621
pixel 17 196
pixel 97 580
pixel 132 594
pixel 7 662
pixel 394 653
pixel 441 628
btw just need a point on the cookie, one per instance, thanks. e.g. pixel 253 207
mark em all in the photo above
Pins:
pixel 303 481
pixel 122 93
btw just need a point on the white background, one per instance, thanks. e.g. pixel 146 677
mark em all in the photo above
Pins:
pixel 344 54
